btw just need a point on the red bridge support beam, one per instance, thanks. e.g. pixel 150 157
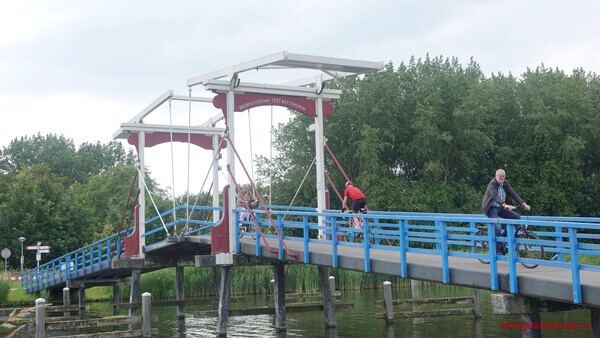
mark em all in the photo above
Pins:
pixel 219 235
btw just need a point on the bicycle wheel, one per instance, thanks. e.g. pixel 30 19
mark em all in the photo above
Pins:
pixel 528 250
pixel 482 246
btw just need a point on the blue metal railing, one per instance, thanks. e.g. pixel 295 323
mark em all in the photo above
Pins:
pixel 96 257
pixel 445 235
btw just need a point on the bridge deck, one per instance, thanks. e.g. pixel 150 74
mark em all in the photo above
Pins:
pixel 431 247
pixel 542 282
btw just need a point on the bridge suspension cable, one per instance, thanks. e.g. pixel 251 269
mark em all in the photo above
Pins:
pixel 212 163
pixel 152 199
pixel 264 206
pixel 301 184
pixel 125 212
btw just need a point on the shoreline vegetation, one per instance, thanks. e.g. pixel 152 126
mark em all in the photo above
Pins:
pixel 200 282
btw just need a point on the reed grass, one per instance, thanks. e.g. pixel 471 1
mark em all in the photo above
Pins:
pixel 201 282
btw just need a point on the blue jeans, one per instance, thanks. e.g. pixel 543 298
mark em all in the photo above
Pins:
pixel 500 212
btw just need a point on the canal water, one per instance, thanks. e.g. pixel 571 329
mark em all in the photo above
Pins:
pixel 360 320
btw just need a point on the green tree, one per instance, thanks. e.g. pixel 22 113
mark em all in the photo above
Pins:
pixel 61 155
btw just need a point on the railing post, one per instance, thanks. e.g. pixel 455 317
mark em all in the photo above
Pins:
pixel 444 248
pixel 334 243
pixel 403 249
pixel 305 239
pixel 492 253
pixel 68 267
pixel 40 318
pixel 512 259
pixel 146 316
pixel 575 279
pixel 560 256
pixel 366 245
pixel 280 250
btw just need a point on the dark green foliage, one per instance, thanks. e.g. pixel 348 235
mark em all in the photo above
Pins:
pixel 4 290
pixel 429 135
pixel 60 195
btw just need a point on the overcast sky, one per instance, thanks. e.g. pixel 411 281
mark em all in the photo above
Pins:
pixel 80 68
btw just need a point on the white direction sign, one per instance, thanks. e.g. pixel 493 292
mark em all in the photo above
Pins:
pixel 40 249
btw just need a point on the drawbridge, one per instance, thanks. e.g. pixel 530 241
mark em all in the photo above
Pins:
pixel 442 248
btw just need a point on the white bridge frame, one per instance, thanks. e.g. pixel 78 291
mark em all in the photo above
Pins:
pixel 227 81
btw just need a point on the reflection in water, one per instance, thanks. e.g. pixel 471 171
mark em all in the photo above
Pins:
pixel 357 322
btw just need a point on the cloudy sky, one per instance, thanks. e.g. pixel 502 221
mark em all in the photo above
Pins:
pixel 80 68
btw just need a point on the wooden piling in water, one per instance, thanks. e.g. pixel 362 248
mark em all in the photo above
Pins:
pixel 415 291
pixel 180 291
pixel 332 284
pixel 224 299
pixel 116 298
pixel 595 319
pixel 134 296
pixel 66 301
pixel 388 301
pixel 327 297
pixel 279 296
pixel 81 301
pixel 146 316
pixel 40 318
pixel 477 303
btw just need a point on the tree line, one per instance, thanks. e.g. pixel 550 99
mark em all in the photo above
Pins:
pixel 59 194
pixel 429 135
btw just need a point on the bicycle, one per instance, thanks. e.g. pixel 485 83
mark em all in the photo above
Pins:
pixel 355 223
pixel 527 250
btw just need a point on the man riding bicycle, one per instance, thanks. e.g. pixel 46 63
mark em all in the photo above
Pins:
pixel 496 203
pixel 359 200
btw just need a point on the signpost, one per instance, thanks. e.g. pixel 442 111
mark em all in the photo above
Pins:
pixel 5 254
pixel 40 249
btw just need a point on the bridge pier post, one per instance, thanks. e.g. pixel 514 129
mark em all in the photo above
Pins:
pixel 327 297
pixel 477 303
pixel 595 321
pixel 507 304
pixel 224 299
pixel 116 298
pixel 415 292
pixel 134 295
pixel 180 291
pixel 279 296
pixel 81 301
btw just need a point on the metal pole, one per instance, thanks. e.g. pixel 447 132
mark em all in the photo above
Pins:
pixel 22 239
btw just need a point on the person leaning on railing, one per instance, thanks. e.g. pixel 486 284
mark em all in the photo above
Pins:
pixel 497 203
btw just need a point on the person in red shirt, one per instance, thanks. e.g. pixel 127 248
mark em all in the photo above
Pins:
pixel 359 200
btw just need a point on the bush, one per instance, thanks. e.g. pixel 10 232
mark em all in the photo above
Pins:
pixel 4 290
